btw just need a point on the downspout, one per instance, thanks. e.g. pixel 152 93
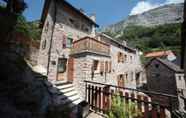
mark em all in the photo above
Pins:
pixel 50 47
pixel 183 40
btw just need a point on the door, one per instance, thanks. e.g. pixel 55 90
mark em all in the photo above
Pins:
pixel 61 69
pixel 70 73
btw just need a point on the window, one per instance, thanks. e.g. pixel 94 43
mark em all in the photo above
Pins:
pixel 101 67
pixel 157 75
pixel 120 57
pixel 64 41
pixel 131 59
pixel 125 58
pixel 95 65
pixel 180 78
pixel 132 76
pixel 62 65
pixel 126 77
pixel 110 67
pixel 157 65
pixel 71 20
pixel 44 44
pixel 69 42
pixel 121 82
pixel 85 28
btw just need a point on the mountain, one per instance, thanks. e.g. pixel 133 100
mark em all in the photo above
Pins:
pixel 167 14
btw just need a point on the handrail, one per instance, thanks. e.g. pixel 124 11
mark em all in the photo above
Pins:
pixel 137 90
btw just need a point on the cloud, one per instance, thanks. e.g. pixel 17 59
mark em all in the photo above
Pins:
pixel 173 1
pixel 143 6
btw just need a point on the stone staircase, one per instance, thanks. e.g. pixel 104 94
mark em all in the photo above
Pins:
pixel 67 95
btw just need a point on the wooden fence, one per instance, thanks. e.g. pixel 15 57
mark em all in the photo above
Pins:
pixel 99 96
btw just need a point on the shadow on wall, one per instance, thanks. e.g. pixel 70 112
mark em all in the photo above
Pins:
pixel 24 93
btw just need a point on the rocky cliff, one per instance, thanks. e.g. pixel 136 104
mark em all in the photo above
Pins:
pixel 166 14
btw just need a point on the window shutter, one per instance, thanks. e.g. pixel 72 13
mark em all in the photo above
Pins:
pixel 64 41
pixel 102 66
pixel 106 66
pixel 123 58
pixel 110 66
pixel 118 57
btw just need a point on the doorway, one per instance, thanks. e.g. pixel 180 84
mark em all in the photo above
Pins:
pixel 61 69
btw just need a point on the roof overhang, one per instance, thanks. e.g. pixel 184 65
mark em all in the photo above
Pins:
pixel 47 5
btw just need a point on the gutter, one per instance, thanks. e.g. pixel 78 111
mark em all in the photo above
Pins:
pixel 50 47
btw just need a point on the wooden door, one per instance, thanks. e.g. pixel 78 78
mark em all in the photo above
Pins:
pixel 70 73
pixel 61 69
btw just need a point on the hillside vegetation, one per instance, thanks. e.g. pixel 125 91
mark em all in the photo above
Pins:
pixel 162 37
pixel 29 29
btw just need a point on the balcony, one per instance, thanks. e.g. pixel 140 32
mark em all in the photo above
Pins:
pixel 104 99
pixel 90 45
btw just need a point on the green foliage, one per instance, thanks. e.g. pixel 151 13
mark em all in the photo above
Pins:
pixel 161 37
pixel 121 109
pixel 30 29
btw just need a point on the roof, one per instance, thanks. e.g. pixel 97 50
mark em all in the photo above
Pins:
pixel 46 7
pixel 117 42
pixel 159 53
pixel 168 64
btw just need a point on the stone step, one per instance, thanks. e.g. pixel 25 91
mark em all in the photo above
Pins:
pixel 71 93
pixel 76 102
pixel 65 86
pixel 60 83
pixel 67 90
pixel 68 101
pixel 74 97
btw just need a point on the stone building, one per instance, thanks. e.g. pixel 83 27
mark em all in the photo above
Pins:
pixel 62 24
pixel 165 77
pixel 72 52
pixel 126 68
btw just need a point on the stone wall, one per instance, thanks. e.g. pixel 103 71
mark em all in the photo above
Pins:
pixel 83 71
pixel 64 28
pixel 130 66
pixel 160 78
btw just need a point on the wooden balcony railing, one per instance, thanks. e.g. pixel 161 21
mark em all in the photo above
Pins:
pixel 88 44
pixel 99 96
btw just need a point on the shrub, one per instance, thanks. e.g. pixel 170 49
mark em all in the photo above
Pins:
pixel 122 109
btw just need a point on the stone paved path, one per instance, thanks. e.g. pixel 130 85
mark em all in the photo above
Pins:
pixel 94 115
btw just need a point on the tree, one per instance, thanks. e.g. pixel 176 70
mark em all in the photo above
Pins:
pixel 9 17
pixel 15 6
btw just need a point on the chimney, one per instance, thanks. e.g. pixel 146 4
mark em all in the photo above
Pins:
pixel 124 43
pixel 93 17
pixel 82 11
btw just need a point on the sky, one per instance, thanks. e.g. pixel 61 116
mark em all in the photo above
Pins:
pixel 107 11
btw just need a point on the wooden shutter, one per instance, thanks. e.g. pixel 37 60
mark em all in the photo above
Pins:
pixel 102 66
pixel 70 69
pixel 106 66
pixel 123 58
pixel 118 57
pixel 110 66
pixel 64 41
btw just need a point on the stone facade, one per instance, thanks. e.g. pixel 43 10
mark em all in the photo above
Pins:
pixel 63 22
pixel 68 24
pixel 162 78
pixel 130 67
pixel 83 71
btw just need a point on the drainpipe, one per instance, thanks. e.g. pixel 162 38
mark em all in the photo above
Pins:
pixel 53 27
pixel 183 41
